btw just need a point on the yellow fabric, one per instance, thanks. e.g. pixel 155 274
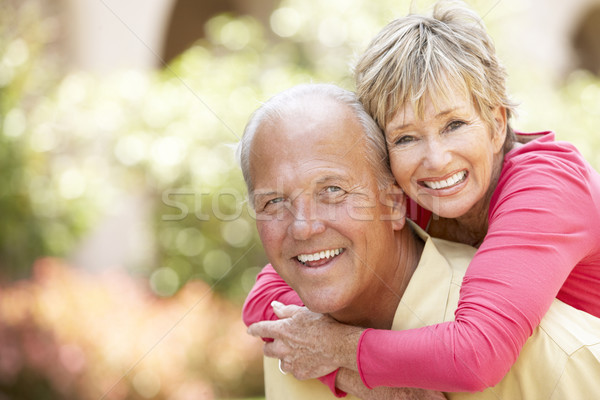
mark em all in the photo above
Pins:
pixel 560 361
pixel 286 387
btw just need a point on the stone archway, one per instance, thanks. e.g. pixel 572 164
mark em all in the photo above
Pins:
pixel 186 23
pixel 586 41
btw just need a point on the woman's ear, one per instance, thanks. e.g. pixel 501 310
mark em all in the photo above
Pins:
pixel 499 128
pixel 397 202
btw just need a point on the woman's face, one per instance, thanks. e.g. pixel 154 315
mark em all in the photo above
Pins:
pixel 445 160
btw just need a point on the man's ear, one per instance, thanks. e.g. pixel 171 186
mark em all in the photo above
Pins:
pixel 499 128
pixel 397 202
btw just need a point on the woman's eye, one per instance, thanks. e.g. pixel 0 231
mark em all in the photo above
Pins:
pixel 404 140
pixel 454 125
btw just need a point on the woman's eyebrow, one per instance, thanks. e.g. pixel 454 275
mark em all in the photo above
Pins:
pixel 438 116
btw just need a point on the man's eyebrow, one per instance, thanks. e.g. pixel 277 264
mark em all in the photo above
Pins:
pixel 331 178
pixel 256 194
pixel 439 115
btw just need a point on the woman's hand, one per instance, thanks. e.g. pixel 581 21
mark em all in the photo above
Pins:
pixel 309 345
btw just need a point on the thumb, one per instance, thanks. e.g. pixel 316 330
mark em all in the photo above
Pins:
pixel 282 311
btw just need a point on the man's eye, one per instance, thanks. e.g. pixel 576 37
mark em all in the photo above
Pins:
pixel 274 201
pixel 333 189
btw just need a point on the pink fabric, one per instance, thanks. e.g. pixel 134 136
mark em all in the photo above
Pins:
pixel 543 242
pixel 269 286
pixel 329 381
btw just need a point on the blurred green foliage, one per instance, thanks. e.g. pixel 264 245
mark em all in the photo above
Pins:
pixel 73 148
pixel 34 220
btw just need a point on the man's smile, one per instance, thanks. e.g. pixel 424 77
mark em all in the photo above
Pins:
pixel 319 257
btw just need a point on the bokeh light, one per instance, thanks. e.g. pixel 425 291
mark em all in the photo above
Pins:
pixel 217 263
pixel 285 21
pixel 164 281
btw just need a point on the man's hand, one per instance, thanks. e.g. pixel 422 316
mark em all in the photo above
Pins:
pixel 309 345
pixel 350 382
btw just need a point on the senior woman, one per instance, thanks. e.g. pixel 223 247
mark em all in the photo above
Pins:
pixel 436 88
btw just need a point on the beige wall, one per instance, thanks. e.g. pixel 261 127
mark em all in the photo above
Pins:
pixel 542 32
pixel 111 34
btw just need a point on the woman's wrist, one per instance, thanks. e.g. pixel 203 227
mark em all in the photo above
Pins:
pixel 347 347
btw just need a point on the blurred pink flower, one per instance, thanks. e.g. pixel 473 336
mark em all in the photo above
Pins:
pixel 92 336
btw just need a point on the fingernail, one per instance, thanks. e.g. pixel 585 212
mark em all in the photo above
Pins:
pixel 275 303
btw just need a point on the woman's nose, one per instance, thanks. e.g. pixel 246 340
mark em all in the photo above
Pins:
pixel 437 156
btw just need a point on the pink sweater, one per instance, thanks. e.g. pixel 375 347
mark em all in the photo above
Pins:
pixel 543 242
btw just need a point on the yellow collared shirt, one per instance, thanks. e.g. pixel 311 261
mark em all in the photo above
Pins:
pixel 561 360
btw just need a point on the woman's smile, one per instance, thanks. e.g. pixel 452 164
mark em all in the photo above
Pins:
pixel 444 183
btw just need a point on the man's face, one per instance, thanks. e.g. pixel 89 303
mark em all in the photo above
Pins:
pixel 323 222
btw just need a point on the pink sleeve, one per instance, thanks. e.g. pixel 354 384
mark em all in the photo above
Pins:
pixel 543 221
pixel 329 381
pixel 269 286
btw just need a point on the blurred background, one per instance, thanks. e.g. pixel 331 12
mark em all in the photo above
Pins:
pixel 126 243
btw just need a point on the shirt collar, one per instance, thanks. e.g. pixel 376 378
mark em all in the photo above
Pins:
pixel 435 282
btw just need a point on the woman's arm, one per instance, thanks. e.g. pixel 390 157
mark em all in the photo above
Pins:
pixel 269 287
pixel 543 221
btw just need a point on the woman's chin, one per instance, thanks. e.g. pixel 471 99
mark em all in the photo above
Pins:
pixel 449 211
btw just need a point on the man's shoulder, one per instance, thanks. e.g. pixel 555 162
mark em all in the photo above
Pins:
pixel 458 255
pixel 571 329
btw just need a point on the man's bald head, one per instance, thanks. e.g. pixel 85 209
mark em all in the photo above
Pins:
pixel 330 99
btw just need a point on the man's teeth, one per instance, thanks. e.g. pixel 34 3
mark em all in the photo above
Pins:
pixel 453 180
pixel 319 255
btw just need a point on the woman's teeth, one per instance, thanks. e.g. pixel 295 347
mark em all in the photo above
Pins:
pixel 443 184
pixel 319 255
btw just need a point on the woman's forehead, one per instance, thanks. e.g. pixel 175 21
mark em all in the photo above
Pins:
pixel 437 91
pixel 432 102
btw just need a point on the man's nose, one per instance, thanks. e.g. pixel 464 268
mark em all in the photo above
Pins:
pixel 307 221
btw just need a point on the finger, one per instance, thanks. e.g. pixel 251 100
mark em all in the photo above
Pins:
pixel 282 311
pixel 264 329
pixel 275 350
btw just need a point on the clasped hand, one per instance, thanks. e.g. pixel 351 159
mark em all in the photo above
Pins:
pixel 309 345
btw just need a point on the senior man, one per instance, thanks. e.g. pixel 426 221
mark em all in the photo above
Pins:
pixel 332 224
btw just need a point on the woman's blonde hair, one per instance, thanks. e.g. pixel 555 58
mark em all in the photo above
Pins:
pixel 417 56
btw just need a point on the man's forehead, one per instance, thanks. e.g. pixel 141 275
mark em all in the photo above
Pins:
pixel 309 143
pixel 317 121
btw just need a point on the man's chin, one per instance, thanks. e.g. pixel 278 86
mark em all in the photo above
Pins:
pixel 322 305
